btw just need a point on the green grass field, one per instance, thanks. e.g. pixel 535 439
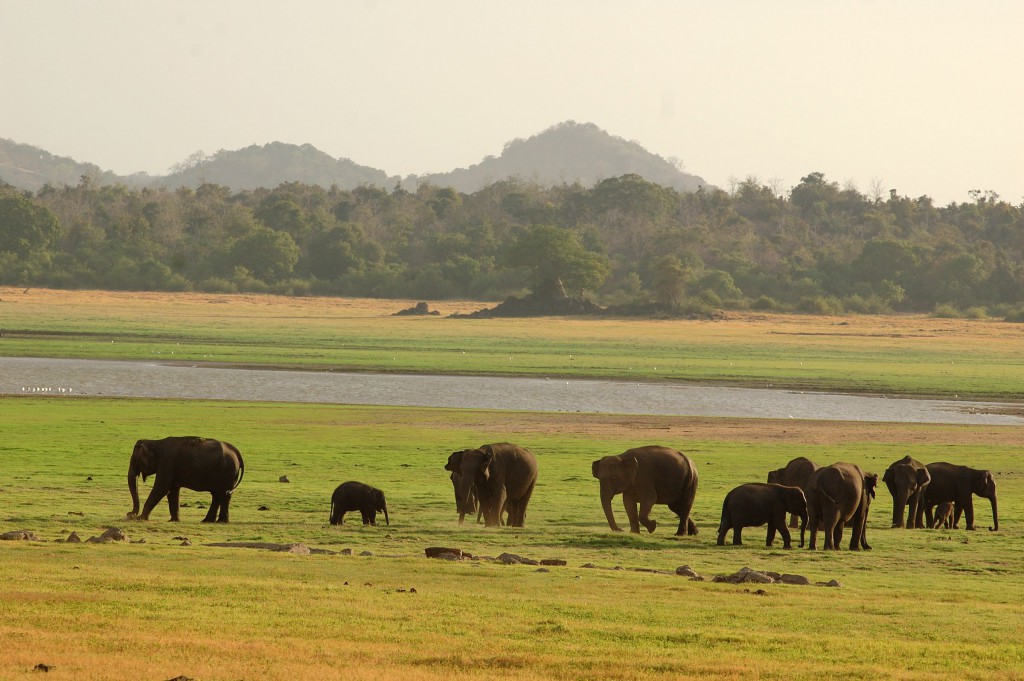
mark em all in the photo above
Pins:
pixel 928 604
pixel 912 355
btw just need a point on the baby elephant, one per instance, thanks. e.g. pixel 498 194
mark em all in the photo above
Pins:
pixel 358 496
pixel 943 515
pixel 757 503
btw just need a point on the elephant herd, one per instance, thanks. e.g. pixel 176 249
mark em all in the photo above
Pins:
pixel 496 481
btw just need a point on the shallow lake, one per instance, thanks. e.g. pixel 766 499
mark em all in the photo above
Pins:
pixel 19 376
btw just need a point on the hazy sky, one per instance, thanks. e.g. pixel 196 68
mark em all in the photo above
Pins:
pixel 926 97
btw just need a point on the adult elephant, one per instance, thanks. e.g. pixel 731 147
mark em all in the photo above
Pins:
pixel 839 495
pixel 959 484
pixel 646 476
pixel 907 480
pixel 757 503
pixel 797 473
pixel 504 475
pixel 197 463
pixel 358 496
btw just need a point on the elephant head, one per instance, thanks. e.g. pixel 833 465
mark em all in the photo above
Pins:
pixel 143 462
pixel 777 476
pixel 984 485
pixel 469 467
pixel 906 480
pixel 380 504
pixel 617 474
pixel 870 483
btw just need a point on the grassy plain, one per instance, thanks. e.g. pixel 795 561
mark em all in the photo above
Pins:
pixel 922 605
pixel 897 354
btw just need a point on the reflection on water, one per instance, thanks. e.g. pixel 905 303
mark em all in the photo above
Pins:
pixel 139 379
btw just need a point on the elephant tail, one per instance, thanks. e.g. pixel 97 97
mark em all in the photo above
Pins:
pixel 241 472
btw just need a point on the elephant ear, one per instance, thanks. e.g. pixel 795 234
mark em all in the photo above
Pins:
pixel 484 472
pixel 630 466
pixel 923 477
pixel 987 485
pixel 870 482
pixel 595 468
pixel 454 462
pixel 143 459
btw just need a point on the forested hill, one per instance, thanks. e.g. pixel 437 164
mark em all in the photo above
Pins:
pixel 270 165
pixel 564 154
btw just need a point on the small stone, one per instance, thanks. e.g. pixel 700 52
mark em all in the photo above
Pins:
pixel 298 549
pixel 553 561
pixel 449 556
pixel 75 513
pixel 284 478
pixel 346 552
pixel 140 540
pixel 187 542
pixel 412 590
pixel 439 551
pixel 114 534
pixel 366 553
pixel 686 571
pixel 42 667
pixel 794 579
pixel 180 537
pixel 263 508
pixel 832 583
pixel 542 569
pixel 19 535
pixel 588 565
pixel 73 538
pixel 89 478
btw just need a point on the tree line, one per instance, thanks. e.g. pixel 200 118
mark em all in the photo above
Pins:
pixel 625 242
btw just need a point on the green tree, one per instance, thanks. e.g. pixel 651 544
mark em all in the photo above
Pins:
pixel 558 261
pixel 267 254
pixel 26 227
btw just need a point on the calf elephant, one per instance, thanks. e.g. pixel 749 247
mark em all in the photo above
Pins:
pixel 959 484
pixel 757 503
pixel 647 476
pixel 504 476
pixel 358 496
pixel 797 473
pixel 196 463
pixel 907 480
pixel 840 495
pixel 943 516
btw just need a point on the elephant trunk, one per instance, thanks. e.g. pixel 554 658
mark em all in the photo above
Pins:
pixel 606 503
pixel 133 489
pixel 995 515
pixel 803 526
pixel 899 504
pixel 386 519
pixel 465 494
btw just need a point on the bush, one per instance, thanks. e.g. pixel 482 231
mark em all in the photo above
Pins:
pixel 765 304
pixel 976 313
pixel 946 311
pixel 1015 315
pixel 820 305
pixel 217 285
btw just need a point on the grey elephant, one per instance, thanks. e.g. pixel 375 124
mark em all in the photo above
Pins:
pixel 503 474
pixel 646 476
pixel 943 516
pixel 797 473
pixel 757 503
pixel 959 484
pixel 840 495
pixel 907 480
pixel 358 496
pixel 196 463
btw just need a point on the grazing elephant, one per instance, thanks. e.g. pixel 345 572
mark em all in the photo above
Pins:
pixel 473 504
pixel 907 480
pixel 647 476
pixel 796 474
pixel 943 516
pixel 757 503
pixel 958 484
pixel 197 463
pixel 358 496
pixel 840 495
pixel 503 474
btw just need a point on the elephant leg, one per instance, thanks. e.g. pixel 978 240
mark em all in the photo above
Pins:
pixel 215 504
pixel 173 496
pixel 682 507
pixel 928 510
pixel 159 491
pixel 646 504
pixel 723 529
pixel 968 513
pixel 770 539
pixel 912 506
pixel 793 520
pixel 737 535
pixel 225 501
pixel 629 501
pixel 521 503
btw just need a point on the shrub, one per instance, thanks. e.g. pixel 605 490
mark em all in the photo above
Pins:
pixel 946 311
pixel 764 303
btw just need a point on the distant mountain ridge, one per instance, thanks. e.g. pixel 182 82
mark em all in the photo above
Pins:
pixel 565 153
